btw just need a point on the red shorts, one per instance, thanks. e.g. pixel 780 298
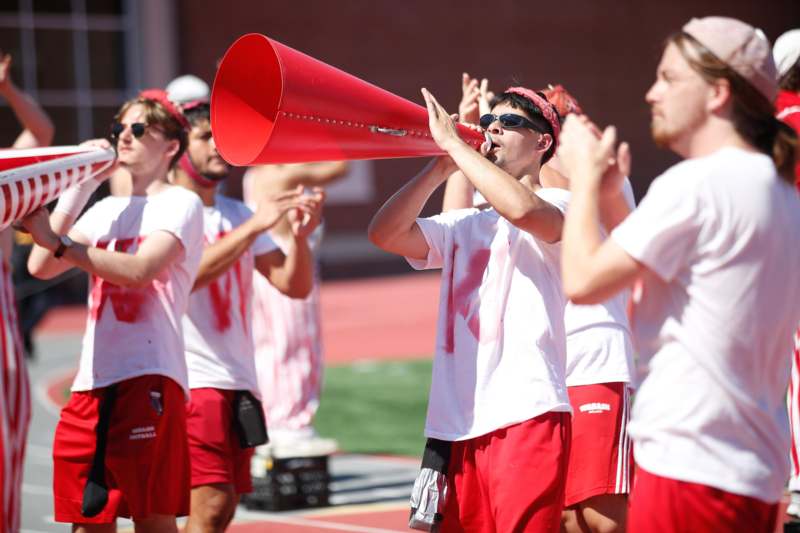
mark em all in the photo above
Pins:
pixel 147 459
pixel 216 454
pixel 663 505
pixel 600 456
pixel 511 479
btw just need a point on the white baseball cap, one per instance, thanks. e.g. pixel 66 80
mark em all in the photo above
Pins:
pixel 187 88
pixel 786 51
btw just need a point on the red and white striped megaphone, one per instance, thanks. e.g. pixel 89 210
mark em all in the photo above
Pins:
pixel 273 104
pixel 31 178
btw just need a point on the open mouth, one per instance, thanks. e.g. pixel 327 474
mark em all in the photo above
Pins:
pixel 491 154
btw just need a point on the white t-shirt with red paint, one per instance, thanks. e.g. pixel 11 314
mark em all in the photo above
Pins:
pixel 218 324
pixel 719 235
pixel 599 348
pixel 132 332
pixel 500 349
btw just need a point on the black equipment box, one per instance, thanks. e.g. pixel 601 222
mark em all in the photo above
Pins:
pixel 288 483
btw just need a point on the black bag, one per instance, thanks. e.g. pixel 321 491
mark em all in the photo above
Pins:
pixel 248 419
pixel 95 492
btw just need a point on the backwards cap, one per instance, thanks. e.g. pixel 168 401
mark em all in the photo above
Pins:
pixel 742 47
pixel 548 112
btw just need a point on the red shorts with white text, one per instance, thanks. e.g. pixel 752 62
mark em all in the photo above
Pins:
pixel 663 505
pixel 217 456
pixel 601 458
pixel 511 479
pixel 147 457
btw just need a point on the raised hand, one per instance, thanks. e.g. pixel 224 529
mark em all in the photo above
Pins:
pixel 442 126
pixel 589 156
pixel 469 107
pixel 305 219
pixel 272 207
pixel 106 145
pixel 475 99
pixel 485 98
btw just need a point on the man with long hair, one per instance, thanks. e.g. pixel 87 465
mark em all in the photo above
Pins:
pixel 714 244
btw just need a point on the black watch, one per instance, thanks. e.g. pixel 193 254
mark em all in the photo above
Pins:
pixel 65 242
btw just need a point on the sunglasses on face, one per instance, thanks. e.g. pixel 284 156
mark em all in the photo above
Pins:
pixel 508 120
pixel 137 129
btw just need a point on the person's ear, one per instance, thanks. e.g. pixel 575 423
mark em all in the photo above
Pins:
pixel 174 146
pixel 545 142
pixel 719 94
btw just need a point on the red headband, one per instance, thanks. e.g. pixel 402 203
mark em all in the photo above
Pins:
pixel 544 106
pixel 160 96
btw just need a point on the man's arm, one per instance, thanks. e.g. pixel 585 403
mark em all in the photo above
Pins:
pixel 291 175
pixel 592 270
pixel 616 207
pixel 394 227
pixel 41 262
pixel 69 206
pixel 38 128
pixel 219 256
pixel 513 200
pixel 475 96
pixel 155 253
pixel 292 272
pixel 458 193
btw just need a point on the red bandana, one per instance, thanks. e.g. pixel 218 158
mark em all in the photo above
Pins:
pixel 544 106
pixel 160 96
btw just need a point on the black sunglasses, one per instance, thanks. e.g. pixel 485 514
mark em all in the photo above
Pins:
pixel 137 129
pixel 508 120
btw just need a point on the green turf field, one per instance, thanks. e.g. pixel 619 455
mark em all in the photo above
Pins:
pixel 376 407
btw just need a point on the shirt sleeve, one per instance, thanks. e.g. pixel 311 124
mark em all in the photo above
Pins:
pixel 263 244
pixel 92 221
pixel 436 230
pixel 662 232
pixel 183 218
pixel 559 198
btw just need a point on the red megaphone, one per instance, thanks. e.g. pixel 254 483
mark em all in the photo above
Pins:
pixel 273 104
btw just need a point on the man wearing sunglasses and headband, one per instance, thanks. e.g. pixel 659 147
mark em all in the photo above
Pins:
pixel 498 392
pixel 120 446
pixel 714 244
pixel 600 368
pixel 218 324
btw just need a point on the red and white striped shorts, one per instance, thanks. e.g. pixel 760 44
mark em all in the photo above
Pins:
pixel 601 458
